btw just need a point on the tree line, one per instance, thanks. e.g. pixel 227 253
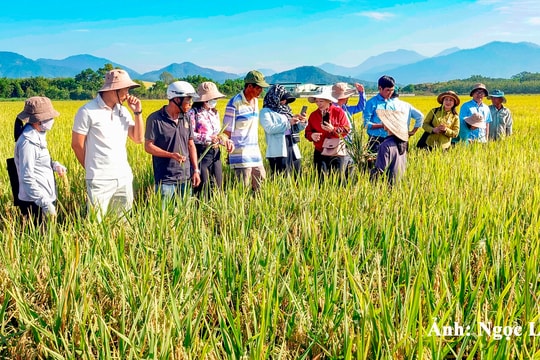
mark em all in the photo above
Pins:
pixel 86 84
pixel 522 83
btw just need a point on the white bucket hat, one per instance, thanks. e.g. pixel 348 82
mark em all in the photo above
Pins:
pixel 395 121
pixel 325 94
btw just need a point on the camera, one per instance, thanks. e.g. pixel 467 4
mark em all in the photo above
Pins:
pixel 295 134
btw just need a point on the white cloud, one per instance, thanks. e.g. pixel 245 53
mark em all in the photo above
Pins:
pixel 376 15
pixel 533 20
pixel 81 30
pixel 188 40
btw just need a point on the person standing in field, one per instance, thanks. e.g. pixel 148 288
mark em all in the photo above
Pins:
pixel 327 122
pixel 99 136
pixel 392 152
pixel 500 115
pixel 35 169
pixel 372 123
pixel 281 130
pixel 442 123
pixel 410 111
pixel 206 124
pixel 169 139
pixel 482 117
pixel 241 121
pixel 342 93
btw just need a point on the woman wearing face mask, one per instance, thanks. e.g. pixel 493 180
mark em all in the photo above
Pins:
pixel 206 124
pixel 37 188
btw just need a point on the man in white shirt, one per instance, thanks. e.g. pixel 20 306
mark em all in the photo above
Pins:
pixel 99 136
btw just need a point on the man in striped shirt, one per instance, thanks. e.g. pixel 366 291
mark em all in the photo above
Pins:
pixel 242 126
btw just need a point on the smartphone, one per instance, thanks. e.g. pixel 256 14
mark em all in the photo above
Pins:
pixel 304 110
pixel 326 118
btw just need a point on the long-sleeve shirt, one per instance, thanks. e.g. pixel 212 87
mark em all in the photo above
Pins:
pixel 205 123
pixel 467 109
pixel 370 115
pixel 338 119
pixel 34 167
pixel 354 109
pixel 501 125
pixel 378 102
pixel 436 117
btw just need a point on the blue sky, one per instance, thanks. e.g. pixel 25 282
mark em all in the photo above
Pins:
pixel 277 35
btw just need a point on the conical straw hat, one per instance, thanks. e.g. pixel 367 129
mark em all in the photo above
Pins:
pixel 395 121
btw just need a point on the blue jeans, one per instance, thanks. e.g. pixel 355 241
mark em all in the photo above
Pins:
pixel 171 192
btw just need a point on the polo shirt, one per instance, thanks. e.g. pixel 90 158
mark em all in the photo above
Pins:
pixel 106 132
pixel 172 137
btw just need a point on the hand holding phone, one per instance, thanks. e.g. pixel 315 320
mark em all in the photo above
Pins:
pixel 304 110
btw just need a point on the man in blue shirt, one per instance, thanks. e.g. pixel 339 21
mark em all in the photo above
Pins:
pixel 471 107
pixel 383 100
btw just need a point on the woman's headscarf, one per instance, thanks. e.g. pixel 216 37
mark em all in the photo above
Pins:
pixel 272 100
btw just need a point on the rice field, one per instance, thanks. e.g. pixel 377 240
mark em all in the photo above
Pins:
pixel 442 266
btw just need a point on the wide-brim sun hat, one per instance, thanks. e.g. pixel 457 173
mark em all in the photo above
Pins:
pixel 117 79
pixel 497 94
pixel 479 86
pixel 449 94
pixel 325 94
pixel 36 109
pixel 476 120
pixel 341 90
pixel 395 121
pixel 208 91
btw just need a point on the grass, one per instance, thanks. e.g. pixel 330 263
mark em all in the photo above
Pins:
pixel 302 270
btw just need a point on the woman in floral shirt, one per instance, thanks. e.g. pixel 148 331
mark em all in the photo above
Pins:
pixel 208 137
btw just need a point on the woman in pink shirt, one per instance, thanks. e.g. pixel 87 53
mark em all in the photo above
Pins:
pixel 208 137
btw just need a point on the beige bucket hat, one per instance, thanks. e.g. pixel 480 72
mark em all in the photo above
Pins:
pixel 117 79
pixel 476 120
pixel 341 90
pixel 449 94
pixel 38 108
pixel 207 91
pixel 326 94
pixel 479 86
pixel 395 121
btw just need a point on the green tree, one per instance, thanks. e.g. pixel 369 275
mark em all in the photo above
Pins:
pixel 166 77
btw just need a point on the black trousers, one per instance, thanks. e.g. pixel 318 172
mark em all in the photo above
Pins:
pixel 286 164
pixel 211 171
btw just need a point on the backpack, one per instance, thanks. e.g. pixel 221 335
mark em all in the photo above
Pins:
pixel 18 128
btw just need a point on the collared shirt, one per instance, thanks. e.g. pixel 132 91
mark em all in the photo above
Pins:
pixel 106 132
pixel 205 123
pixel 34 167
pixel 171 136
pixel 242 121
pixel 467 109
pixel 370 115
pixel 411 111
pixel 502 123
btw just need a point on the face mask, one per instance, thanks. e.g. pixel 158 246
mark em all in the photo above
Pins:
pixel 46 125
pixel 212 103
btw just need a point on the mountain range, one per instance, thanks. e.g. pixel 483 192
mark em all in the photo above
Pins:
pixel 496 59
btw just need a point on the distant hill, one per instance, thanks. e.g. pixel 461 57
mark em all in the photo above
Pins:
pixel 13 65
pixel 386 60
pixel 311 74
pixel 73 65
pixel 448 51
pixel 496 60
pixel 185 69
